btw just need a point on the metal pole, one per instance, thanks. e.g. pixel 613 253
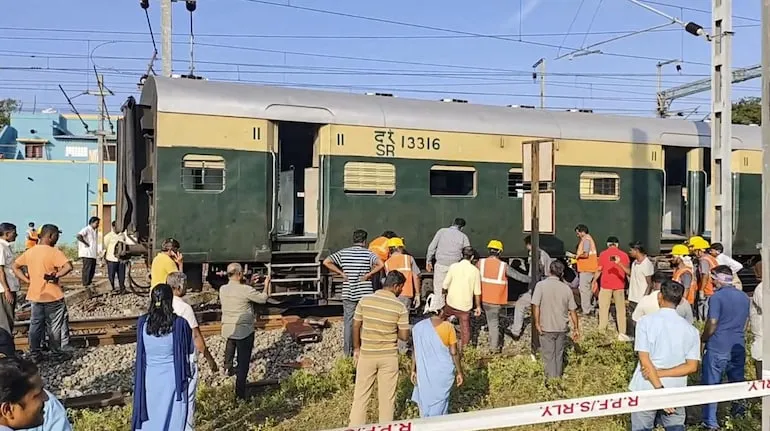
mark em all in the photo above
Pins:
pixel 165 36
pixel 765 198
pixel 534 270
pixel 721 123
pixel 100 154
pixel 541 65
pixel 542 85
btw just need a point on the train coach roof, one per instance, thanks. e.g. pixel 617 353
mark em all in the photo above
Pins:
pixel 177 95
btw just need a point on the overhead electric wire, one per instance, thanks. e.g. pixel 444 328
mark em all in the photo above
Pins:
pixel 692 9
pixel 448 30
pixel 486 70
pixel 299 36
pixel 569 29
pixel 591 24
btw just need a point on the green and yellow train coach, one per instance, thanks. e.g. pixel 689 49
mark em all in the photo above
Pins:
pixel 276 178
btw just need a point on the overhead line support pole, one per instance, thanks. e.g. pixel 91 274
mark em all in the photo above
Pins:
pixel 765 246
pixel 100 154
pixel 165 36
pixel 541 65
pixel 721 123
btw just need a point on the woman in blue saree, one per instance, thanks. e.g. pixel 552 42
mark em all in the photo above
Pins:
pixel 434 362
pixel 164 391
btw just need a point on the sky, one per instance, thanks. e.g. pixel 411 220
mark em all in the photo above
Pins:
pixel 480 51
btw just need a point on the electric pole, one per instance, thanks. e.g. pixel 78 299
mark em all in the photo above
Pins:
pixel 540 63
pixel 165 36
pixel 100 136
pixel 765 251
pixel 721 123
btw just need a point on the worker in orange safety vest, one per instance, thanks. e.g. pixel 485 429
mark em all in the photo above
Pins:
pixel 494 290
pixel 706 263
pixel 406 265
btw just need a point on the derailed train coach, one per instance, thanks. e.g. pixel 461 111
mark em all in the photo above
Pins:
pixel 277 178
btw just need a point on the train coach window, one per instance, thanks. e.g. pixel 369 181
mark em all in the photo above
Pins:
pixel 369 178
pixel 203 173
pixel 453 181
pixel 516 185
pixel 599 186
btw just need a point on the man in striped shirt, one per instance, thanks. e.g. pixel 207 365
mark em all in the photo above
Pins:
pixel 356 265
pixel 380 321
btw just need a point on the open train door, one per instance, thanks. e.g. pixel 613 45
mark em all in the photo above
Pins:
pixel 546 177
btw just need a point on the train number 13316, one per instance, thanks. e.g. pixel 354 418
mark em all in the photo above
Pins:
pixel 420 143
pixel 387 142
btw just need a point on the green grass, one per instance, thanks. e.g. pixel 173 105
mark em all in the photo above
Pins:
pixel 307 401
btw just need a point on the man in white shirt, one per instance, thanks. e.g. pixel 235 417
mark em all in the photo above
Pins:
pixel 649 303
pixel 9 286
pixel 88 250
pixel 115 266
pixel 640 272
pixel 718 251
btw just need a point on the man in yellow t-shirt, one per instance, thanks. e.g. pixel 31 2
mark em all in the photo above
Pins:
pixel 168 260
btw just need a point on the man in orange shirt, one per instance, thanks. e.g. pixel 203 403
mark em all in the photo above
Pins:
pixel 379 246
pixel 45 264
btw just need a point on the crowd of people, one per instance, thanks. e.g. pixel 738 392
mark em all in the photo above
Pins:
pixel 381 288
pixel 654 310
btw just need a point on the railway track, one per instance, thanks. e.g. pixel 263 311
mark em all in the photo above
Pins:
pixel 122 330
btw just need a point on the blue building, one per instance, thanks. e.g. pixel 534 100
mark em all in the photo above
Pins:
pixel 49 172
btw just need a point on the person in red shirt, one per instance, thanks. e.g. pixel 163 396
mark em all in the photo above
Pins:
pixel 610 282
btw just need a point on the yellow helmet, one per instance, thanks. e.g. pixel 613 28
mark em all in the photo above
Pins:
pixel 698 243
pixel 395 242
pixel 495 244
pixel 680 250
pixel 693 240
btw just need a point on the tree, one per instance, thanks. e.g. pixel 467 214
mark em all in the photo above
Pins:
pixel 7 106
pixel 747 111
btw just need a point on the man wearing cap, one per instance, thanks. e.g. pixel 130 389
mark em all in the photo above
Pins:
pixel 706 263
pixel 45 264
pixel 684 273
pixel 724 338
pixel 494 289
pixel 405 264
pixel 610 281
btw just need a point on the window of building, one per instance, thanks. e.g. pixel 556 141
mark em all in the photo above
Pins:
pixel 110 152
pixel 364 178
pixel 453 181
pixel 33 151
pixel 602 186
pixel 516 185
pixel 203 173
